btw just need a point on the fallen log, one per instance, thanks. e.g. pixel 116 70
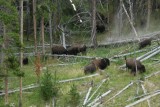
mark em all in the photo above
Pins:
pixel 96 90
pixel 148 53
pixel 143 99
pixel 143 95
pixel 16 90
pixel 126 54
pixel 149 56
pixel 155 73
pixel 76 79
pixel 97 99
pixel 87 95
pixel 120 91
pixel 61 81
pixel 144 90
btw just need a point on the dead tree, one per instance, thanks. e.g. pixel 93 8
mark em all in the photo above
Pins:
pixel 93 31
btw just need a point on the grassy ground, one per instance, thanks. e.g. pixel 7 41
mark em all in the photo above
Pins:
pixel 117 79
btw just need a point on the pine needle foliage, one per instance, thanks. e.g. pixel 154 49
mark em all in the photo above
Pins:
pixel 48 87
pixel 74 96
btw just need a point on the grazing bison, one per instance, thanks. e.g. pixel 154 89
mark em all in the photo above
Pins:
pixel 58 49
pixel 25 61
pixel 74 50
pixel 100 64
pixel 91 68
pixel 133 64
pixel 144 43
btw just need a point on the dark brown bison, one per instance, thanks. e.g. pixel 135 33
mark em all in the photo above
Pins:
pixel 91 68
pixel 99 64
pixel 58 49
pixel 133 64
pixel 144 43
pixel 25 61
pixel 75 49
pixel 100 28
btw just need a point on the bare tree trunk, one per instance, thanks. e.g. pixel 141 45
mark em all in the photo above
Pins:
pixel 20 90
pixel 21 33
pixel 2 62
pixel 28 20
pixel 34 25
pixel 108 16
pixel 21 51
pixel 120 19
pixel 93 31
pixel 131 11
pixel 63 37
pixel 50 30
pixel 6 89
pixel 42 35
pixel 148 15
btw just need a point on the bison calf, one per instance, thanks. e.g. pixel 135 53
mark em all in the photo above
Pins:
pixel 25 61
pixel 133 64
pixel 91 68
pixel 144 43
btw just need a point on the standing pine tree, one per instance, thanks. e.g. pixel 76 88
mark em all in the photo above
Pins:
pixel 9 23
pixel 48 88
pixel 74 97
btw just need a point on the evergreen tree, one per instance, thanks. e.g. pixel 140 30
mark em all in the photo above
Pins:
pixel 74 97
pixel 48 87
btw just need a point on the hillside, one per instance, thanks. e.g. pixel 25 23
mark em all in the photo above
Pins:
pixel 115 79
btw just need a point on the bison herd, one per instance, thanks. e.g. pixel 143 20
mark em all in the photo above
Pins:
pixel 102 63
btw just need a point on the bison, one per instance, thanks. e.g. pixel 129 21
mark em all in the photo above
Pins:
pixel 133 64
pixel 58 49
pixel 75 49
pixel 25 61
pixel 91 68
pixel 100 64
pixel 100 28
pixel 144 43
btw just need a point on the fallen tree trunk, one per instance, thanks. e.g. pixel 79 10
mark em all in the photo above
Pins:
pixel 17 90
pixel 96 90
pixel 155 73
pixel 143 95
pixel 127 54
pixel 76 79
pixel 154 53
pixel 148 53
pixel 120 91
pixel 143 99
pixel 144 90
pixel 97 99
pixel 87 95
pixel 61 81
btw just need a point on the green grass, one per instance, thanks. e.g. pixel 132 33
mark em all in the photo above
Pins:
pixel 118 79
